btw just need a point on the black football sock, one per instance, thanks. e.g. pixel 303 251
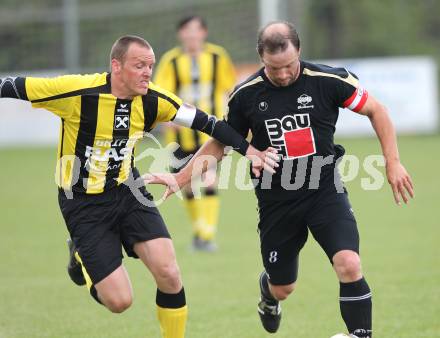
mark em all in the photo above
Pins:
pixel 355 304
pixel 264 283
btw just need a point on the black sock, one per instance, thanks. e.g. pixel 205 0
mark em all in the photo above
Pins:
pixel 355 304
pixel 264 282
pixel 94 294
pixel 171 300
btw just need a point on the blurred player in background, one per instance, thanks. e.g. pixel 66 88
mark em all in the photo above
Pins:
pixel 202 74
pixel 103 203
pixel 293 105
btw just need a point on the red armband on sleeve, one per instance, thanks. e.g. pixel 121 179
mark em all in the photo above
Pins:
pixel 356 101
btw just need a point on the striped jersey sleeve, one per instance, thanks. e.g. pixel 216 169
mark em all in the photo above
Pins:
pixel 59 94
pixel 349 92
pixel 357 100
pixel 167 103
pixel 340 84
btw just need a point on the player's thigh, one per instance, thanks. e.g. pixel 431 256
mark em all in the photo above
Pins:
pixel 140 222
pixel 282 236
pixel 333 225
pixel 92 227
pixel 157 254
pixel 160 258
pixel 115 290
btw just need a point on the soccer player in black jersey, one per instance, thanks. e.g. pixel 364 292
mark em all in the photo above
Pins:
pixel 103 201
pixel 292 105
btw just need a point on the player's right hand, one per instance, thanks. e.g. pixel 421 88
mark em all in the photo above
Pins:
pixel 263 160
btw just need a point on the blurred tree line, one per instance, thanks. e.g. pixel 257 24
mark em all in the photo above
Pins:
pixel 32 35
pixel 346 28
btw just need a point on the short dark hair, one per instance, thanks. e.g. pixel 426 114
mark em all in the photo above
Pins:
pixel 187 19
pixel 121 45
pixel 278 41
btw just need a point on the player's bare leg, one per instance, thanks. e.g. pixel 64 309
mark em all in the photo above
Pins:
pixel 159 256
pixel 115 291
pixel 355 294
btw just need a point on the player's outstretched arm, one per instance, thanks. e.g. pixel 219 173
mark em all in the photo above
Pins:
pixel 209 154
pixel 398 178
pixel 13 87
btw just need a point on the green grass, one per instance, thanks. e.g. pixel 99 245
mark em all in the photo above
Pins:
pixel 399 248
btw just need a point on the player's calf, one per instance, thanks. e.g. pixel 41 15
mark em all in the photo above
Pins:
pixel 354 294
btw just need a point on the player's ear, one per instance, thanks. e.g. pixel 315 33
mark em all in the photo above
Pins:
pixel 116 66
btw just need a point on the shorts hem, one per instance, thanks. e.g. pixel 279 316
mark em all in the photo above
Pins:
pixel 289 281
pixel 105 274
pixel 130 252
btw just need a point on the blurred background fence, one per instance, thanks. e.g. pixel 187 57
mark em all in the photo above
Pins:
pixel 69 34
pixel 63 36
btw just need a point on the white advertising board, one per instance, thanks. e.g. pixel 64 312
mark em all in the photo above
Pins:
pixel 407 86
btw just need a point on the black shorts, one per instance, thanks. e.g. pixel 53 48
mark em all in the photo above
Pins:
pixel 101 224
pixel 284 226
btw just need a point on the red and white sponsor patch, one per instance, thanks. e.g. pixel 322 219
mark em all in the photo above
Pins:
pixel 292 136
pixel 356 101
pixel 299 143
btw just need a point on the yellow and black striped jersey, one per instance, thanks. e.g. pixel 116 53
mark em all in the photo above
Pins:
pixel 98 130
pixel 204 81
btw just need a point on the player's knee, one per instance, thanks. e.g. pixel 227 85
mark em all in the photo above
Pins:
pixel 119 304
pixel 347 265
pixel 281 292
pixel 169 277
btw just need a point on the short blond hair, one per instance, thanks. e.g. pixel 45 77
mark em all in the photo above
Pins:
pixel 121 45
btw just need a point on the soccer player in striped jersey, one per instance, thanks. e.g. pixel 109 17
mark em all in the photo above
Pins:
pixel 101 196
pixel 293 105
pixel 202 74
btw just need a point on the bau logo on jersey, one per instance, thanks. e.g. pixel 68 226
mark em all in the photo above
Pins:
pixel 292 136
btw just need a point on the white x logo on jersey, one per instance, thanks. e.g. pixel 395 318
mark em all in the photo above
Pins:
pixel 122 122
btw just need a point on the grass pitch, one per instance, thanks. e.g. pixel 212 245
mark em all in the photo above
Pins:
pixel 399 249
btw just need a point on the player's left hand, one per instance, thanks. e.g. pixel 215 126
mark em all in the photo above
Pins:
pixel 171 181
pixel 400 182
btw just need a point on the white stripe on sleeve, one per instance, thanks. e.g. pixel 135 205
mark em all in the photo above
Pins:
pixel 185 115
pixel 357 98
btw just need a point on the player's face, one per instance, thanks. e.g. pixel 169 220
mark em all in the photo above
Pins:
pixel 192 36
pixel 282 68
pixel 136 69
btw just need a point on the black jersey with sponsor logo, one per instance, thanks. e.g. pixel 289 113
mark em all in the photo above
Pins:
pixel 298 120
